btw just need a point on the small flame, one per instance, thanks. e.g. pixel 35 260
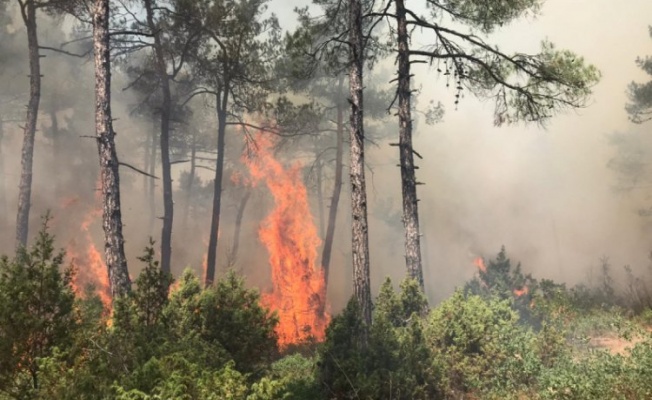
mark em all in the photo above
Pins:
pixel 289 233
pixel 522 291
pixel 479 262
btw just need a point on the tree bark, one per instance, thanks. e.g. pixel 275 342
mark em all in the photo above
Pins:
pixel 151 190
pixel 408 178
pixel 166 106
pixel 116 261
pixel 28 12
pixel 238 227
pixel 211 259
pixel 319 171
pixel 337 189
pixel 360 228
pixel 3 196
pixel 191 181
pixel 56 150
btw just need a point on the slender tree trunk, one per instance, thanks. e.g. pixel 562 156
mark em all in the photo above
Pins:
pixel 408 178
pixel 191 181
pixel 28 12
pixel 146 155
pixel 114 253
pixel 151 191
pixel 3 196
pixel 360 228
pixel 211 259
pixel 238 227
pixel 319 170
pixel 166 106
pixel 337 189
pixel 56 150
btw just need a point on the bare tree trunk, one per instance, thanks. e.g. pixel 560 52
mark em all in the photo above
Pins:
pixel 319 171
pixel 360 228
pixel 114 253
pixel 146 153
pixel 408 178
pixel 238 227
pixel 151 190
pixel 337 189
pixel 56 150
pixel 166 107
pixel 211 259
pixel 28 12
pixel 3 196
pixel 191 180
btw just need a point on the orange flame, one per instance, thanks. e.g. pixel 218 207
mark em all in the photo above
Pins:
pixel 479 262
pixel 89 263
pixel 289 233
pixel 520 292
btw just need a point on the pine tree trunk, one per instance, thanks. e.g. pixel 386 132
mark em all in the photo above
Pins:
pixel 238 227
pixel 151 190
pixel 408 178
pixel 319 170
pixel 211 259
pixel 360 229
pixel 191 181
pixel 116 261
pixel 166 170
pixel 3 196
pixel 28 12
pixel 337 190
pixel 56 151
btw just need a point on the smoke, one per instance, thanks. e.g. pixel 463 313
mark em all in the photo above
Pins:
pixel 545 194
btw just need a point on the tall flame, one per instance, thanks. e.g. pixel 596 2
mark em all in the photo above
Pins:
pixel 289 233
pixel 90 268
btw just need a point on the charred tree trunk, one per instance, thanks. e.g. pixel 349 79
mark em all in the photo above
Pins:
pixel 337 190
pixel 28 12
pixel 360 228
pixel 238 227
pixel 166 107
pixel 408 178
pixel 116 261
pixel 211 259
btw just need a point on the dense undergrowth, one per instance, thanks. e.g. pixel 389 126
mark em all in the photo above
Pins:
pixel 505 335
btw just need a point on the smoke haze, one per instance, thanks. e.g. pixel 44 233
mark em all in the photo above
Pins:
pixel 546 194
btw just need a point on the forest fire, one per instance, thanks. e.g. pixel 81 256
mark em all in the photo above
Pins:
pixel 289 233
pixel 522 291
pixel 90 268
pixel 479 262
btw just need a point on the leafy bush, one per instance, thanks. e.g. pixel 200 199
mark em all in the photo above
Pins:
pixel 478 347
pixel 36 313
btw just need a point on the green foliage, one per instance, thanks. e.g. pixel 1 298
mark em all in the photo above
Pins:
pixel 478 346
pixel 480 14
pixel 233 317
pixel 36 312
pixel 640 94
pixel 388 361
pixel 498 279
